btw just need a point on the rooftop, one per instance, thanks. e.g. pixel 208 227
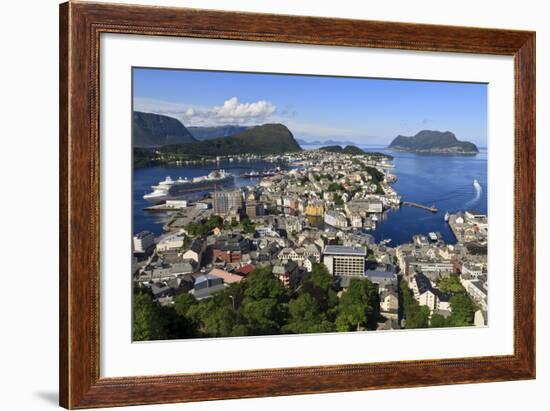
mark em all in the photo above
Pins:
pixel 228 278
pixel 380 273
pixel 345 250
pixel 143 234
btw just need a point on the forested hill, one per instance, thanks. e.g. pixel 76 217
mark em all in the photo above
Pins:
pixel 265 139
pixel 156 130
pixel 208 133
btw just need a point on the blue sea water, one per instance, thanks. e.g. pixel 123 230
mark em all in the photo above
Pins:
pixel 445 182
pixel 145 177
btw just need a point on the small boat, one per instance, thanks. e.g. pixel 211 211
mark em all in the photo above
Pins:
pixel 446 216
pixel 476 184
pixel 251 174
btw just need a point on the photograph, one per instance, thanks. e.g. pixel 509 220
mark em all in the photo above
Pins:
pixel 278 203
pixel 275 205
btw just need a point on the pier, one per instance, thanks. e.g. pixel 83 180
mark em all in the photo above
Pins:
pixel 423 207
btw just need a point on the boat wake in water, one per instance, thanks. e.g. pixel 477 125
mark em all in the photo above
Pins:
pixel 478 190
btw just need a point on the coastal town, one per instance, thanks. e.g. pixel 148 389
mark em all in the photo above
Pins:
pixel 293 252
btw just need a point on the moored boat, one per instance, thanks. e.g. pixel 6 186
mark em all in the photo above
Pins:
pixel 169 189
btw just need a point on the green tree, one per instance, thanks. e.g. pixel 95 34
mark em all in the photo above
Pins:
pixel 319 287
pixel 248 226
pixel 438 321
pixel 177 326
pixel 213 222
pixel 215 316
pixel 338 200
pixel 263 305
pixel 182 303
pixel 204 226
pixel 416 316
pixel 305 316
pixel 358 307
pixel 377 176
pixel 263 316
pixel 320 276
pixel 147 324
pixel 450 284
pixel 261 283
pixel 462 311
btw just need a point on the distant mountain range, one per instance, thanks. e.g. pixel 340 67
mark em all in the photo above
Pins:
pixel 433 142
pixel 155 130
pixel 326 142
pixel 207 133
pixel 265 139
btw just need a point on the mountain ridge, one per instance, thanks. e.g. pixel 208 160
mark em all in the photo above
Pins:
pixel 271 138
pixel 156 130
pixel 206 133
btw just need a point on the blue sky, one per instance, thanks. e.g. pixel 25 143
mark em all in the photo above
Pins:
pixel 363 110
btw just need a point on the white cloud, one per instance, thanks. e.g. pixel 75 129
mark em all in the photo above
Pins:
pixel 232 111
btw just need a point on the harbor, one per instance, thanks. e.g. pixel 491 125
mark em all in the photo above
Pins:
pixel 415 183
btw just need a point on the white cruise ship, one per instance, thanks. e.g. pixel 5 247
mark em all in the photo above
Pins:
pixel 169 189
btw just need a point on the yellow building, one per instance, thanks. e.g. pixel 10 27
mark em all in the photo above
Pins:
pixel 315 209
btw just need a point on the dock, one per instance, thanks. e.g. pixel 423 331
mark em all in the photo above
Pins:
pixel 423 207
pixel 163 207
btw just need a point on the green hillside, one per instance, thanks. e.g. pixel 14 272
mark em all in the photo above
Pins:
pixel 155 130
pixel 265 139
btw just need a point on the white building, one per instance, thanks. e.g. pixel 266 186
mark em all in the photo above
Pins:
pixel 223 201
pixel 143 241
pixel 477 290
pixel 336 219
pixel 201 205
pixel 389 302
pixel 472 269
pixel 427 295
pixel 356 221
pixel 176 203
pixel 171 242
pixel 293 224
pixel 345 261
pixel 195 251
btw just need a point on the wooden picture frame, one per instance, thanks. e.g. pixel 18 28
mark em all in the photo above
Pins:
pixel 80 27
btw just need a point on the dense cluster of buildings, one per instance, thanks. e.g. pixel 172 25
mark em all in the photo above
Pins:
pixel 426 261
pixel 318 211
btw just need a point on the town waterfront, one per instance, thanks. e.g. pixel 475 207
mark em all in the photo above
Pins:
pixel 443 181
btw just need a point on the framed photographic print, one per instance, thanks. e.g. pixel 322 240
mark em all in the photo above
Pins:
pixel 259 205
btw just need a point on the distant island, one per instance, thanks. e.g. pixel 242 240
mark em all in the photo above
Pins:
pixel 349 149
pixel 208 133
pixel 433 142
pixel 354 150
pixel 155 130
pixel 326 142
